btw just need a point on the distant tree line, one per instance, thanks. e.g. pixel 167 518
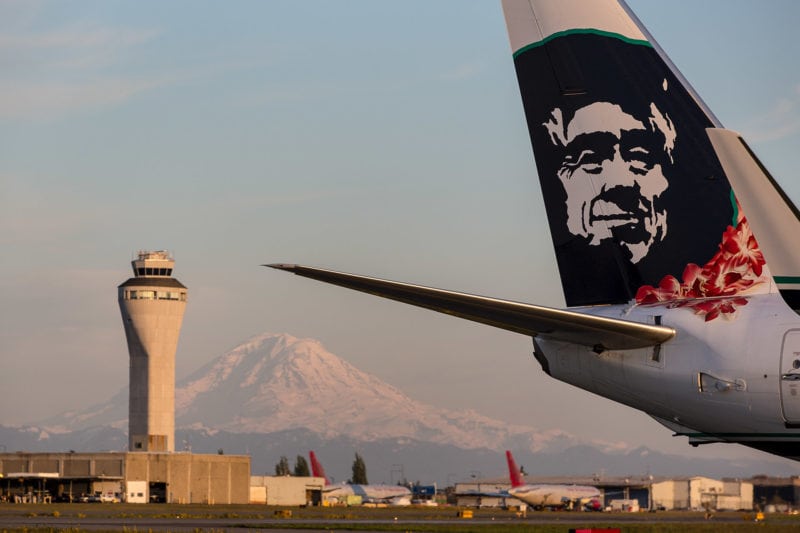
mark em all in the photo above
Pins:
pixel 359 472
pixel 300 467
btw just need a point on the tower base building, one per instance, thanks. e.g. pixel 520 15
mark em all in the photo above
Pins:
pixel 125 477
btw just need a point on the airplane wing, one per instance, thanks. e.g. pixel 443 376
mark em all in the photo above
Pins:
pixel 535 321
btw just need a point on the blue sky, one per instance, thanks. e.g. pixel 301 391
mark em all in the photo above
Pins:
pixel 383 138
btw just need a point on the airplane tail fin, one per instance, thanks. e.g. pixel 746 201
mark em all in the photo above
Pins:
pixel 513 472
pixel 316 467
pixel 638 204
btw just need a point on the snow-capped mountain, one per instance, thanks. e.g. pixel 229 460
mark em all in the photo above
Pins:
pixel 277 395
pixel 276 382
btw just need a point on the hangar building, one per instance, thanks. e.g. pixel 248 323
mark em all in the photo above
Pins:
pixel 781 492
pixel 650 492
pixel 138 477
pixel 286 490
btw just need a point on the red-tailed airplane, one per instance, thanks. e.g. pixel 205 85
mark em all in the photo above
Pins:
pixel 674 244
pixel 392 494
pixel 548 495
pixel 541 495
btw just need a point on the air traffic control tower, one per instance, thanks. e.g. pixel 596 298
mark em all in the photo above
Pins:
pixel 152 305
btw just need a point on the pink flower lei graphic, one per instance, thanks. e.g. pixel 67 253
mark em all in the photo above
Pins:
pixel 711 290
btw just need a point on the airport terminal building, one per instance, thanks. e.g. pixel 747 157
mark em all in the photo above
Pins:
pixel 137 477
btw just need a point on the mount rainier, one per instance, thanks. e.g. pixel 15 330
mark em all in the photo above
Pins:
pixel 277 382
pixel 276 395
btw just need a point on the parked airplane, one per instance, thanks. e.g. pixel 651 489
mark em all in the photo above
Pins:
pixel 392 494
pixel 675 308
pixel 549 495
pixel 541 495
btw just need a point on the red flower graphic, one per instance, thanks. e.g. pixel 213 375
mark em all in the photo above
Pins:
pixel 710 290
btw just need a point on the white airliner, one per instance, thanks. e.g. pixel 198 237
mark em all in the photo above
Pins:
pixel 548 495
pixel 391 494
pixel 654 209
pixel 541 495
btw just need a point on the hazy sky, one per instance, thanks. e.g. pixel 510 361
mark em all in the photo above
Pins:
pixel 382 138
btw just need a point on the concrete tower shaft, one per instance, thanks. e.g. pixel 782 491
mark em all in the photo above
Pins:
pixel 152 304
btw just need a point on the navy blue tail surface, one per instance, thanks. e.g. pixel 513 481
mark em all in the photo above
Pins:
pixel 633 188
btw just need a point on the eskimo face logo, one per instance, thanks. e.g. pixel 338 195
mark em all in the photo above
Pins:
pixel 612 170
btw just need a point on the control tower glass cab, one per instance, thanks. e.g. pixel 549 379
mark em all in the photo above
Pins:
pixel 152 305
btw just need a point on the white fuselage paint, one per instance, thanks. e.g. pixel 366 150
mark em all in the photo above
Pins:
pixel 370 493
pixel 730 379
pixel 553 495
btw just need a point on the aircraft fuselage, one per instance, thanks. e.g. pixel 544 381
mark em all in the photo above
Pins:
pixel 553 495
pixel 727 380
pixel 370 493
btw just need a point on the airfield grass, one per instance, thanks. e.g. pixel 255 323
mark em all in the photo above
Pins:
pixel 260 517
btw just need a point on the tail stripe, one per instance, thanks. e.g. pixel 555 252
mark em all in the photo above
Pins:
pixel 637 201
pixel 582 31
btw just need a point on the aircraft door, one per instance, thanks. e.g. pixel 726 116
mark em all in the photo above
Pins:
pixel 790 377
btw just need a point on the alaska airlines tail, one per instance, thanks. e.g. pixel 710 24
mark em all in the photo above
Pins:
pixel 316 467
pixel 638 204
pixel 513 472
pixel 638 178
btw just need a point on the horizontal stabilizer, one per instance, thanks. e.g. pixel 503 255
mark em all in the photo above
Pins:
pixel 532 320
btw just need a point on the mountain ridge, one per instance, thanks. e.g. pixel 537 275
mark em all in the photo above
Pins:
pixel 273 382
pixel 276 394
pixel 389 460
